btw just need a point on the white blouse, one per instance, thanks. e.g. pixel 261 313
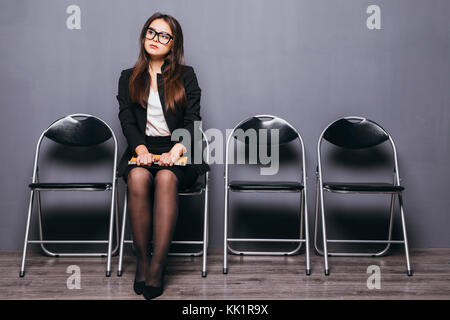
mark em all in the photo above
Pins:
pixel 156 123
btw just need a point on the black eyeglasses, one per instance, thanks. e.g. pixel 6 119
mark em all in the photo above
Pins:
pixel 163 37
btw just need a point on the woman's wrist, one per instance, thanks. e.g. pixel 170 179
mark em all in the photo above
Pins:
pixel 178 149
pixel 141 149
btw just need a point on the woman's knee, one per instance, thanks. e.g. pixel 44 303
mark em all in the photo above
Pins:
pixel 139 177
pixel 166 177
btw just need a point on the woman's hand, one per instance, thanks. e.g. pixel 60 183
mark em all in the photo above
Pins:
pixel 145 159
pixel 168 158
pixel 143 156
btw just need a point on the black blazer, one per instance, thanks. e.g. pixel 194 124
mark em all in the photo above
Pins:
pixel 133 117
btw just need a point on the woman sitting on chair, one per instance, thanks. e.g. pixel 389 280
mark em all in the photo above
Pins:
pixel 158 95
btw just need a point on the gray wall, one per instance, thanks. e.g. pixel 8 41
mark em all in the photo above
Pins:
pixel 309 62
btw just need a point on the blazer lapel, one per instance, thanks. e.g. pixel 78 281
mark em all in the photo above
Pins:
pixel 167 117
pixel 160 83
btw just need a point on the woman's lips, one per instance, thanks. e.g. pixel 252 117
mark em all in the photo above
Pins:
pixel 153 46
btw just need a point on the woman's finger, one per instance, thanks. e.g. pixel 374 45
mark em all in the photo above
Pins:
pixel 161 160
pixel 168 160
pixel 149 158
pixel 145 159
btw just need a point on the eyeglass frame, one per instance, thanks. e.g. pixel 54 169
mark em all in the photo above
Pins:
pixel 157 35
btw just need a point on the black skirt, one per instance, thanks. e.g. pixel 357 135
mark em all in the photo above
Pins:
pixel 186 175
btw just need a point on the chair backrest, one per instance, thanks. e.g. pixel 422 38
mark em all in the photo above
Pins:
pixel 287 133
pixel 78 130
pixel 356 133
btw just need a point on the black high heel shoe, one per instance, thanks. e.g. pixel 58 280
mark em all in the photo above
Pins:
pixel 138 286
pixel 151 292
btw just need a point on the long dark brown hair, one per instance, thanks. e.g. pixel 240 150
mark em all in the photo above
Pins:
pixel 139 85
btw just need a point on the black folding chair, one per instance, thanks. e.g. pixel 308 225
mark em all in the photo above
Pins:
pixel 199 188
pixel 357 133
pixel 286 134
pixel 75 130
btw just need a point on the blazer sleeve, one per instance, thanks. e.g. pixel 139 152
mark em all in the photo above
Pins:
pixel 192 110
pixel 126 116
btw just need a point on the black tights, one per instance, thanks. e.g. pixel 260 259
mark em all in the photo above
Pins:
pixel 164 186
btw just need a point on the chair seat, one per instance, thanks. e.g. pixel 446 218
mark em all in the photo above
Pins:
pixel 245 185
pixel 362 187
pixel 71 185
pixel 195 188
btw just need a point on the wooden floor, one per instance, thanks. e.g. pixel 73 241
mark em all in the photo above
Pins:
pixel 249 277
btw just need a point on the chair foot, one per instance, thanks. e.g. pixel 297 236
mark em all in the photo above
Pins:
pixel 203 274
pixel 308 272
pixel 119 273
pixel 410 273
pixel 327 272
pixel 108 273
pixel 225 270
pixel 22 274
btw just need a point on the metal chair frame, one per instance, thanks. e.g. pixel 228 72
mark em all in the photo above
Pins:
pixel 303 208
pixel 37 190
pixel 203 242
pixel 320 202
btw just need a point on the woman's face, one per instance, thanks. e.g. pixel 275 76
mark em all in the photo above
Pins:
pixel 153 47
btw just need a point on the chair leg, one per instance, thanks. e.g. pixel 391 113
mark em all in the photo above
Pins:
pixel 40 224
pixel 110 233
pixel 305 213
pixel 391 223
pixel 319 202
pixel 116 217
pixel 27 231
pixel 302 209
pixel 405 238
pixel 205 232
pixel 316 219
pixel 122 237
pixel 41 233
pixel 324 233
pixel 225 232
